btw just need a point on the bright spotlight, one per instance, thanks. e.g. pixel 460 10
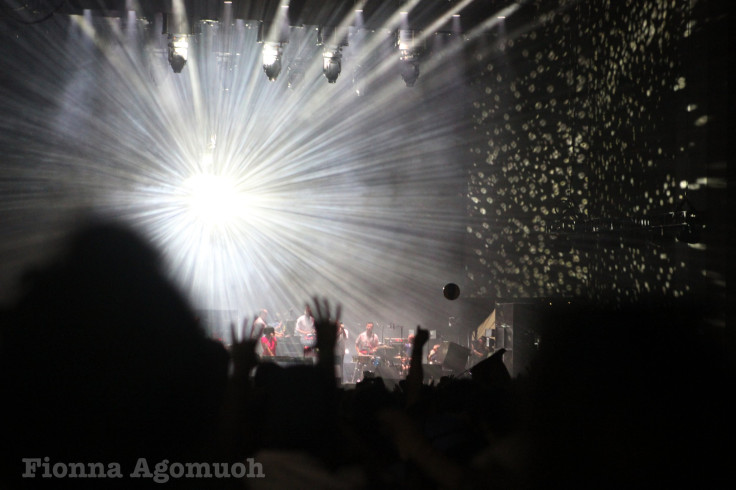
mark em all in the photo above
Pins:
pixel 272 53
pixel 212 199
pixel 178 51
pixel 274 36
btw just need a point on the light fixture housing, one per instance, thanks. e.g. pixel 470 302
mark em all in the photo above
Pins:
pixel 272 54
pixel 179 30
pixel 274 36
pixel 331 64
pixel 412 48
pixel 178 48
pixel 332 40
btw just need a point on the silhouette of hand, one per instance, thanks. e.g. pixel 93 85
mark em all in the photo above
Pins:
pixel 420 338
pixel 243 349
pixel 325 326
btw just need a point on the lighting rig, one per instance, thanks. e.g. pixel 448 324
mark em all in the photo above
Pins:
pixel 182 20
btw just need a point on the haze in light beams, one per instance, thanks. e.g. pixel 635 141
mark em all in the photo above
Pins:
pixel 260 195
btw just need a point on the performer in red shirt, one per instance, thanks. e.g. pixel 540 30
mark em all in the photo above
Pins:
pixel 268 342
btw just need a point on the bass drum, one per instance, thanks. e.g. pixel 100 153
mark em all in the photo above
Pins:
pixel 309 340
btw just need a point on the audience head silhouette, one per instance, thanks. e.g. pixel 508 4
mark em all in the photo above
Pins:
pixel 105 361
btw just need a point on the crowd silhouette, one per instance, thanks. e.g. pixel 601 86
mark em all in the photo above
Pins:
pixel 103 362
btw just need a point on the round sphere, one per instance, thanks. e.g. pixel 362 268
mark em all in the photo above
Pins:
pixel 451 291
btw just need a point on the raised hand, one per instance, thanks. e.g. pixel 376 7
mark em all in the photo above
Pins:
pixel 421 337
pixel 243 348
pixel 325 326
pixel 236 425
pixel 415 376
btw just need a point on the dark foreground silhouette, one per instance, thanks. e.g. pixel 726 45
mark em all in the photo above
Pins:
pixel 105 366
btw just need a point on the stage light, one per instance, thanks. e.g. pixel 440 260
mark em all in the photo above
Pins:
pixel 409 72
pixel 212 199
pixel 179 29
pixel 456 24
pixel 331 64
pixel 411 49
pixel 406 42
pixel 332 40
pixel 178 51
pixel 272 53
pixel 274 36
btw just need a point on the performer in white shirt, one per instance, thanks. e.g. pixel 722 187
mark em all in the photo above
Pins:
pixel 261 321
pixel 304 328
pixel 367 341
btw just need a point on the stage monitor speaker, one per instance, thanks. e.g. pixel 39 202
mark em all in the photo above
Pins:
pixel 456 357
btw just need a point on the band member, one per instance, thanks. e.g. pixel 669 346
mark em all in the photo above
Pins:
pixel 304 328
pixel 268 342
pixel 408 346
pixel 405 355
pixel 434 353
pixel 261 321
pixel 367 342
pixel 479 349
pixel 340 346
pixel 281 327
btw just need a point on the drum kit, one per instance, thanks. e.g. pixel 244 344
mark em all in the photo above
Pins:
pixel 392 354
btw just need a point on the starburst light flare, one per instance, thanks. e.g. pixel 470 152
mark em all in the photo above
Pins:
pixel 306 191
